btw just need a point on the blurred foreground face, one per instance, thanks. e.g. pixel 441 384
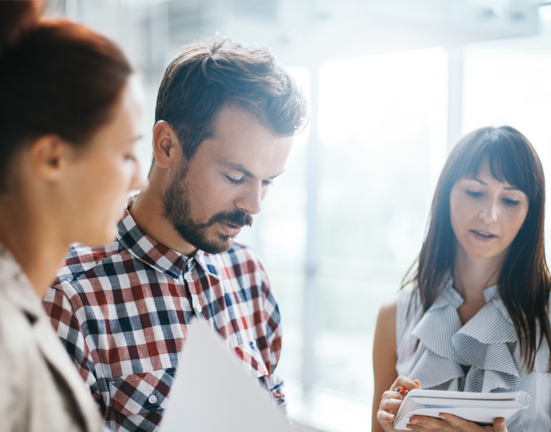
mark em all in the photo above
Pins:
pixel 216 193
pixel 104 172
pixel 486 214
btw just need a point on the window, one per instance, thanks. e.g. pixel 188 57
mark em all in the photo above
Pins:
pixel 382 143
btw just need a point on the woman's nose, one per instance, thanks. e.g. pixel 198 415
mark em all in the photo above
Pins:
pixel 139 181
pixel 489 213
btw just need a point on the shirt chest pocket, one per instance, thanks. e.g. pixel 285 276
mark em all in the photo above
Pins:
pixel 141 398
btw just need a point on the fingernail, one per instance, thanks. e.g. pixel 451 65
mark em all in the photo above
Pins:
pixel 413 422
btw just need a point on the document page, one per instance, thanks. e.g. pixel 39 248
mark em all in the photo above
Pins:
pixel 212 391
pixel 476 407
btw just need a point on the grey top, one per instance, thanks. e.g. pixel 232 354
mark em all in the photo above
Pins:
pixel 480 356
pixel 41 390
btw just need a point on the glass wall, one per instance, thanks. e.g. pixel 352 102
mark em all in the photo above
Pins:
pixel 508 84
pixel 382 142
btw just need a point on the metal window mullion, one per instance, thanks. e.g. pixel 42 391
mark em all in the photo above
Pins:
pixel 311 294
pixel 455 95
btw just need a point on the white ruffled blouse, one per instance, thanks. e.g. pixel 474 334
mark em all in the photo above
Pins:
pixel 480 356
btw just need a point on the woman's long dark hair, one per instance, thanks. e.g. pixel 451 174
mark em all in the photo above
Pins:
pixel 524 283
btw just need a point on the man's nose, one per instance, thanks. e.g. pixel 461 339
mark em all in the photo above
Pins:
pixel 250 198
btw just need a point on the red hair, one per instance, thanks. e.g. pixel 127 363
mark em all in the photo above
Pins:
pixel 56 77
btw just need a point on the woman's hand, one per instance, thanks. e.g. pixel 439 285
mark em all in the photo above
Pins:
pixel 451 423
pixel 391 401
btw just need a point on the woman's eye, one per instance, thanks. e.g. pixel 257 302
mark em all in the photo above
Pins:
pixel 267 183
pixel 130 157
pixel 474 194
pixel 234 181
pixel 510 202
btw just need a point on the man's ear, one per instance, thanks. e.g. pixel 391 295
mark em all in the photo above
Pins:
pixel 166 145
pixel 48 156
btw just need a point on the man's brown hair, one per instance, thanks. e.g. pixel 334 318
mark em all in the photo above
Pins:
pixel 206 76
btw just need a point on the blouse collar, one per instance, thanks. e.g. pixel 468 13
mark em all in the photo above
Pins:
pixel 482 344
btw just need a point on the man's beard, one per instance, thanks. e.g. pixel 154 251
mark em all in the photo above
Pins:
pixel 177 210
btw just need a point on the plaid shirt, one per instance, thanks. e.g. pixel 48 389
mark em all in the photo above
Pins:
pixel 122 312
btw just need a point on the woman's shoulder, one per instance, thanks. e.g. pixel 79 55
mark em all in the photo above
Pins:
pixel 407 301
pixel 387 314
pixel 388 308
pixel 395 309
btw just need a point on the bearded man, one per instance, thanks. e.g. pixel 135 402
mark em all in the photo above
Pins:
pixel 225 119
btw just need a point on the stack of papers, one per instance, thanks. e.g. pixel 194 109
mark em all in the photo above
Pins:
pixel 212 391
pixel 481 408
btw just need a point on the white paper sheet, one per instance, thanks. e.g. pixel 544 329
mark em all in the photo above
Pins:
pixel 213 393
pixel 476 407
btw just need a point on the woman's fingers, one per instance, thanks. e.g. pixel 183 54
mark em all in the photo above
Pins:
pixel 452 423
pixel 500 425
pixel 425 424
pixel 459 423
pixel 405 383
pixel 390 405
pixel 384 417
pixel 389 394
pixel 392 399
pixel 388 408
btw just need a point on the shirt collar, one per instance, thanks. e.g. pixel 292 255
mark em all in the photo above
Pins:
pixel 160 257
pixel 482 343
pixel 210 263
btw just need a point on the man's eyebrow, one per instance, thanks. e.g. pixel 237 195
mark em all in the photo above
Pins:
pixel 238 167
pixel 242 169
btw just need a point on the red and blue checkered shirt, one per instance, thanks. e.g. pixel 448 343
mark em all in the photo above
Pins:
pixel 122 312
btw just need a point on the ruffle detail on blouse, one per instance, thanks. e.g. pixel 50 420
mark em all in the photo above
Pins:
pixel 480 344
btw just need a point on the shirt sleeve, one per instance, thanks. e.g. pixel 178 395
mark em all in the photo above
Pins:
pixel 65 323
pixel 272 325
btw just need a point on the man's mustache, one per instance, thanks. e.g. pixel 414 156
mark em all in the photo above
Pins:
pixel 238 218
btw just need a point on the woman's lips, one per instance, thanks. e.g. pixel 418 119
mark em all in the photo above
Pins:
pixel 231 230
pixel 484 236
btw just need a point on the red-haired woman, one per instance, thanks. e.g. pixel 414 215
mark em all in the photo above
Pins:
pixel 475 315
pixel 70 115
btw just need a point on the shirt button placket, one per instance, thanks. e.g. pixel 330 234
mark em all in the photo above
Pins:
pixel 189 279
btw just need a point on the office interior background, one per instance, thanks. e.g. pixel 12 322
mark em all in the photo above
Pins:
pixel 392 84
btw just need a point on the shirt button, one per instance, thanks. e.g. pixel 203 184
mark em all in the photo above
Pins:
pixel 198 308
pixel 152 399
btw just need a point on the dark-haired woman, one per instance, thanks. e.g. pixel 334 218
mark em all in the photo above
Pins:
pixel 475 315
pixel 70 115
